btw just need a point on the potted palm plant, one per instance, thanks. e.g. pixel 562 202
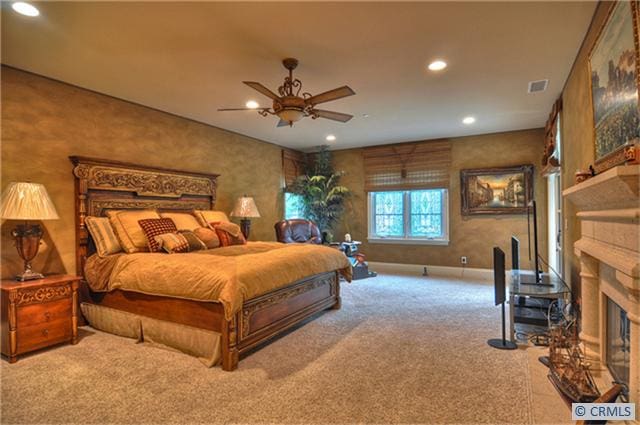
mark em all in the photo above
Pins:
pixel 323 198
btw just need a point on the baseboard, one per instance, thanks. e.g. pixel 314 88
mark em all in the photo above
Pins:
pixel 484 275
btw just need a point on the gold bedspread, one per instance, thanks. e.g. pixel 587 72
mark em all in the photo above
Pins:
pixel 227 275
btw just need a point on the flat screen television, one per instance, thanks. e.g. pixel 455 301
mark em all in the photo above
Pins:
pixel 499 276
pixel 536 277
pixel 515 253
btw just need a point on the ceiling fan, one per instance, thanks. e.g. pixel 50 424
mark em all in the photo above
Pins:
pixel 290 106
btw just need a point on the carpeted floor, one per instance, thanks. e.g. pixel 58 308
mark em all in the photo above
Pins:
pixel 403 349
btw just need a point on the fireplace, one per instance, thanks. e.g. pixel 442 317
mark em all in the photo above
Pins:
pixel 608 208
pixel 618 342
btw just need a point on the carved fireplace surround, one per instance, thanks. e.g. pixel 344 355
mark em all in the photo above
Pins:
pixel 609 251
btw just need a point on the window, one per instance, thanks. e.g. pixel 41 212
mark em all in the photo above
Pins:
pixel 293 206
pixel 409 216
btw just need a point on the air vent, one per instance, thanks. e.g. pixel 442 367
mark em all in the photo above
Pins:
pixel 537 86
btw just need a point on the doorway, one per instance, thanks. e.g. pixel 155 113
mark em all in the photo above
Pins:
pixel 554 216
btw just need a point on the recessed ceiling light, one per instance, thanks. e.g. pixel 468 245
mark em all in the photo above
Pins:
pixel 25 9
pixel 330 138
pixel 252 104
pixel 437 65
pixel 365 115
pixel 468 120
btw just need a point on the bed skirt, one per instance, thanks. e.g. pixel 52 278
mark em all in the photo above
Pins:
pixel 200 343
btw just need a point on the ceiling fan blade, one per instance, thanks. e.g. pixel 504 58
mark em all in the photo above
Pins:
pixel 331 115
pixel 283 123
pixel 330 95
pixel 262 89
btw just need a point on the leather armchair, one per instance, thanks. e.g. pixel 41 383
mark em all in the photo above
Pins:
pixel 297 231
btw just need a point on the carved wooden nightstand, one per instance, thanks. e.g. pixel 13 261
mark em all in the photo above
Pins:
pixel 38 313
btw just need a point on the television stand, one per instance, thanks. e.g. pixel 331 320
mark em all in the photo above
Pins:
pixel 528 277
pixel 523 285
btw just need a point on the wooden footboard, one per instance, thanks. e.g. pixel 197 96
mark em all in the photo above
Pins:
pixel 271 314
pixel 259 320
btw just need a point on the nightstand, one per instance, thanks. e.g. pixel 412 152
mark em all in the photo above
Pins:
pixel 38 313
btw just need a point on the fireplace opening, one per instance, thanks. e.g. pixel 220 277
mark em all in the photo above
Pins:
pixel 618 343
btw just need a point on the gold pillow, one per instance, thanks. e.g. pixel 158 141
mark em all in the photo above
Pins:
pixel 125 223
pixel 103 235
pixel 183 221
pixel 208 236
pixel 210 216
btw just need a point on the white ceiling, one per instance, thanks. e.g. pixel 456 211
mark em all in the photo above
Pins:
pixel 190 58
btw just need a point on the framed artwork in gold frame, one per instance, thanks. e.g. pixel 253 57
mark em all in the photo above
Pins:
pixel 504 190
pixel 614 63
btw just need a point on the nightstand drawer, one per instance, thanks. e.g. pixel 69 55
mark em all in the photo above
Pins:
pixel 44 313
pixel 43 334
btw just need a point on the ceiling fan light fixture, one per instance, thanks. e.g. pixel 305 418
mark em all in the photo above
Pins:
pixel 291 104
pixel 290 114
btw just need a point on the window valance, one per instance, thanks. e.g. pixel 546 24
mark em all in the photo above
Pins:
pixel 419 165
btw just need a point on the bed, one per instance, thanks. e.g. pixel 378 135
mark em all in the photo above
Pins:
pixel 103 185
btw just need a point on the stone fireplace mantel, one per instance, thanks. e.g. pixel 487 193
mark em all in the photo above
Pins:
pixel 609 252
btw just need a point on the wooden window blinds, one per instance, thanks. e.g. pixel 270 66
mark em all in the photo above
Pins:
pixel 420 165
pixel 292 165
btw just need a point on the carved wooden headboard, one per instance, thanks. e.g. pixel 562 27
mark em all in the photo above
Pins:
pixel 101 185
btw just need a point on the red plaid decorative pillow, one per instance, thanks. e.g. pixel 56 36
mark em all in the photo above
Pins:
pixel 153 227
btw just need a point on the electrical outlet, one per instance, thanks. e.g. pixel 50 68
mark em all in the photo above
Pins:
pixel 463 260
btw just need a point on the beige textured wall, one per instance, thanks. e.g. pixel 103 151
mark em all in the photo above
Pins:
pixel 577 138
pixel 473 236
pixel 44 121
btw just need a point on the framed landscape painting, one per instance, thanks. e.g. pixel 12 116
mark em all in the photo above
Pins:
pixel 507 190
pixel 613 65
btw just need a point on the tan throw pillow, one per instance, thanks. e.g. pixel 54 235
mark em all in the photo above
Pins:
pixel 229 234
pixel 195 244
pixel 103 236
pixel 208 216
pixel 172 243
pixel 129 232
pixel 183 221
pixel 208 236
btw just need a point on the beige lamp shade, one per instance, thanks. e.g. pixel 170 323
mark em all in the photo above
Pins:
pixel 245 207
pixel 27 201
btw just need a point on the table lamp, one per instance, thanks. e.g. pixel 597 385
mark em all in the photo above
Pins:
pixel 245 209
pixel 27 201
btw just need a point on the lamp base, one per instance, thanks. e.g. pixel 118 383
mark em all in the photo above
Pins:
pixel 27 238
pixel 29 275
pixel 245 227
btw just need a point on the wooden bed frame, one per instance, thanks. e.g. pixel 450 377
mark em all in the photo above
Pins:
pixel 102 185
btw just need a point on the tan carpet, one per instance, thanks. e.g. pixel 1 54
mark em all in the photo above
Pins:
pixel 402 350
